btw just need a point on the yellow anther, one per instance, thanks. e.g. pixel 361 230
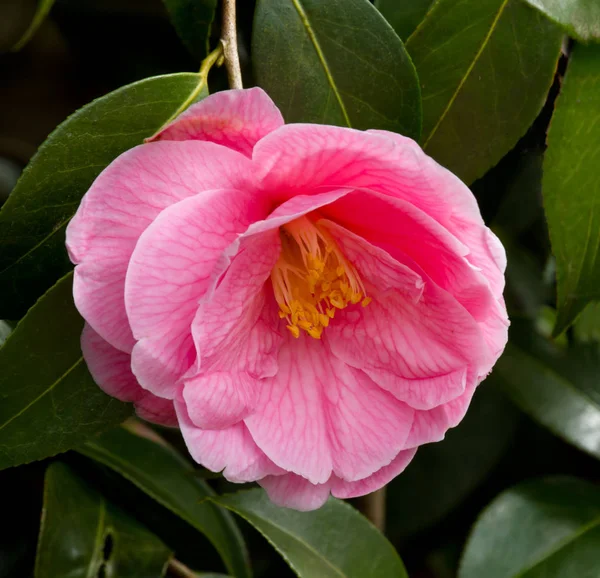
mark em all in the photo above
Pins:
pixel 312 278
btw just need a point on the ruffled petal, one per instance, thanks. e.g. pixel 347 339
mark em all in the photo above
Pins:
pixel 237 119
pixel 111 370
pixel 318 416
pixel 418 348
pixel 292 491
pixel 169 272
pixel 125 198
pixel 231 450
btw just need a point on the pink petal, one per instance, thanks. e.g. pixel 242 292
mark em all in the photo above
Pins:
pixel 237 119
pixel 292 491
pixel 111 370
pixel 170 270
pixel 422 354
pixel 431 425
pixel 218 400
pixel 231 450
pixel 319 416
pixel 342 489
pixel 394 224
pixel 126 197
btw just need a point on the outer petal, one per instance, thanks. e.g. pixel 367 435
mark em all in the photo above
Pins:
pixel 292 491
pixel 319 416
pixel 170 270
pixel 342 489
pixel 126 197
pixel 237 119
pixel 418 349
pixel 230 450
pixel 111 370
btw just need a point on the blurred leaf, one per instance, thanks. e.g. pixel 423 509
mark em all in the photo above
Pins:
pixel 192 20
pixel 546 528
pixel 42 10
pixel 580 18
pixel 171 481
pixel 404 15
pixel 559 388
pixel 49 402
pixel 335 62
pixel 485 68
pixel 572 188
pixel 587 327
pixel 417 499
pixel 5 330
pixel 33 220
pixel 334 541
pixel 83 535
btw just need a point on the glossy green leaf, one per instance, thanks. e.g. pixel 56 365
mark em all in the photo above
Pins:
pixel 417 500
pixel 546 528
pixel 84 536
pixel 171 481
pixel 404 15
pixel 33 220
pixel 587 327
pixel 49 402
pixel 41 11
pixel 485 68
pixel 579 18
pixel 335 62
pixel 559 388
pixel 192 20
pixel 571 186
pixel 332 542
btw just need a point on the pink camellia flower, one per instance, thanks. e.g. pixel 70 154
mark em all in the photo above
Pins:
pixel 308 303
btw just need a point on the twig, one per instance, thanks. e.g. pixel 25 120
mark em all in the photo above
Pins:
pixel 178 570
pixel 229 42
pixel 373 507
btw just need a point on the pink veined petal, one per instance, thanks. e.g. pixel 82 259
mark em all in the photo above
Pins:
pixel 399 227
pixel 292 491
pixel 125 198
pixel 111 370
pixel 431 425
pixel 318 416
pixel 300 158
pixel 169 272
pixel 419 348
pixel 344 490
pixel 237 119
pixel 231 450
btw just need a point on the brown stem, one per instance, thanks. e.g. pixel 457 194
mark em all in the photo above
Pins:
pixel 229 42
pixel 176 569
pixel 373 507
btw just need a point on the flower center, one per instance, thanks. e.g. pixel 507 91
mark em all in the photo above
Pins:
pixel 312 278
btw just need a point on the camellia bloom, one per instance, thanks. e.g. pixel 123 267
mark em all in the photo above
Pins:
pixel 308 303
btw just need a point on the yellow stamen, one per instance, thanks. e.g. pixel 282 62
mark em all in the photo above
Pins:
pixel 312 278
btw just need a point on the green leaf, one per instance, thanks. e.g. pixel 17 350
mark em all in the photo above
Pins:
pixel 335 62
pixel 41 11
pixel 332 542
pixel 571 186
pixel 587 327
pixel 192 20
pixel 579 18
pixel 404 15
pixel 546 528
pixel 83 535
pixel 33 220
pixel 418 500
pixel 170 480
pixel 559 388
pixel 49 402
pixel 485 67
